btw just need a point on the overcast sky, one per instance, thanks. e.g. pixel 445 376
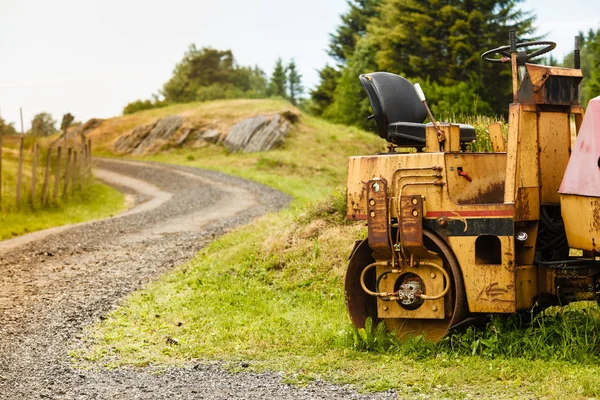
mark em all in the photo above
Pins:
pixel 91 58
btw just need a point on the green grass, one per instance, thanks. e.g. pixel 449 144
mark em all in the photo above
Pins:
pixel 272 294
pixel 89 200
pixel 98 201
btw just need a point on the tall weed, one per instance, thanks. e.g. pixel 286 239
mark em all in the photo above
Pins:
pixel 570 333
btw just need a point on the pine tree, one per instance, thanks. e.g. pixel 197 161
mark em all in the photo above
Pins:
pixel 350 105
pixel 278 82
pixel 590 65
pixel 67 120
pixel 438 43
pixel 442 41
pixel 353 27
pixel 591 52
pixel 294 80
pixel 341 48
pixel 323 95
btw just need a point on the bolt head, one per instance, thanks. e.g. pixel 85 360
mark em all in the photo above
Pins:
pixel 521 236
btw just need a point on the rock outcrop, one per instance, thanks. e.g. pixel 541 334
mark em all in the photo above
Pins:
pixel 89 126
pixel 260 133
pixel 152 137
pixel 163 132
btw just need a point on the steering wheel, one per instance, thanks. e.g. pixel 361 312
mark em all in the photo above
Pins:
pixel 522 56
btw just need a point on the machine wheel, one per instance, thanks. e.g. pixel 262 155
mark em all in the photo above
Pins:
pixel 361 306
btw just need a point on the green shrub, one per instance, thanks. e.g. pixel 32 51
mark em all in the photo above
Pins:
pixel 453 99
pixel 140 105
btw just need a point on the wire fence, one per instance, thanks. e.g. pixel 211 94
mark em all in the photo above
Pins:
pixel 37 173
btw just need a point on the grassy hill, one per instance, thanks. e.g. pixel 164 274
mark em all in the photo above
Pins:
pixel 311 163
pixel 271 294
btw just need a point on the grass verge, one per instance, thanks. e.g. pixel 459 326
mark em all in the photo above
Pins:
pixel 84 200
pixel 98 201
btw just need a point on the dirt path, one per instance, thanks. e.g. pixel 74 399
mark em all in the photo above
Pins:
pixel 53 284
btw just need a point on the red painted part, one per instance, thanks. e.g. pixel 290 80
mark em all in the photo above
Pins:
pixel 465 175
pixel 454 214
pixel 582 176
pixel 476 213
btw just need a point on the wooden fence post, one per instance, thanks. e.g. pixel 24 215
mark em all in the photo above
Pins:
pixel 57 173
pixel 67 172
pixel 74 171
pixel 89 158
pixel 46 178
pixel 0 167
pixel 33 173
pixel 19 172
pixel 84 162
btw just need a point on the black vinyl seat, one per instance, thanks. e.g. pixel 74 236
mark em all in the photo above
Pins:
pixel 398 112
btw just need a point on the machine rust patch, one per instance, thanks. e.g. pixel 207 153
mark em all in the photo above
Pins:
pixel 522 206
pixel 595 214
pixel 377 214
pixel 411 221
pixel 490 195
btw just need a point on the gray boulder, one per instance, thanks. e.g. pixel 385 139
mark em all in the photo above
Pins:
pixel 211 136
pixel 128 142
pixel 163 132
pixel 152 137
pixel 260 133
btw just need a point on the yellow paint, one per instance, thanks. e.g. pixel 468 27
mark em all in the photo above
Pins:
pixel 497 137
pixel 490 288
pixel 526 286
pixel 487 173
pixel 510 188
pixel 555 149
pixel 581 215
pixel 404 177
pixel 450 144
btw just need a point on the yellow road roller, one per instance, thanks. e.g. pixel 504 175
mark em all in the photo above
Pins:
pixel 453 234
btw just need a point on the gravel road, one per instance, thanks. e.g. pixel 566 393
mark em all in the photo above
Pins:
pixel 55 283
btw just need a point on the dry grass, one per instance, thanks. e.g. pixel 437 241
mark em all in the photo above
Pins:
pixel 220 115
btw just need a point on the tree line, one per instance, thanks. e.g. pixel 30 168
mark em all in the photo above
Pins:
pixel 210 74
pixel 42 124
pixel 437 43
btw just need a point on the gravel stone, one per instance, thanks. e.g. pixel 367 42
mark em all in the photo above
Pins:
pixel 53 287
